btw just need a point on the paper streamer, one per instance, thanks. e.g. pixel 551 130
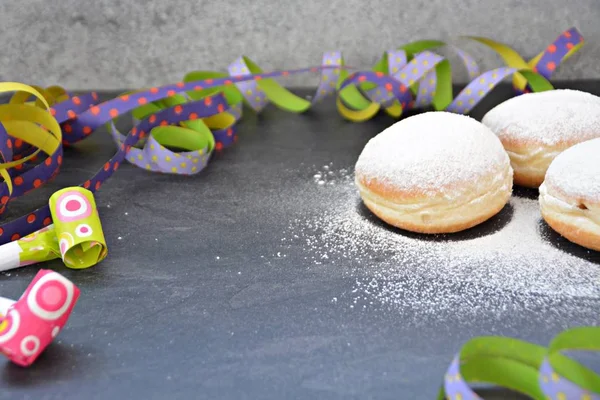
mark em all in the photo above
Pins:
pixel 177 129
pixel 77 227
pixel 427 75
pixel 544 63
pixel 30 324
pixel 538 372
pixel 76 235
pixel 182 124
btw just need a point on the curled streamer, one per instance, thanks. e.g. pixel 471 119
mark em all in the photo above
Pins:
pixel 179 126
pixel 538 372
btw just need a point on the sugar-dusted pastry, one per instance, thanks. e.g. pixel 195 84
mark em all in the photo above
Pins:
pixel 535 127
pixel 435 172
pixel 570 194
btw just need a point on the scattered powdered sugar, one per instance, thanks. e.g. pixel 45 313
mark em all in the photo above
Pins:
pixel 430 151
pixel 511 256
pixel 326 175
pixel 548 117
pixel 576 171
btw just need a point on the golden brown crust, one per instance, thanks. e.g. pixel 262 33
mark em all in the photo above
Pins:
pixel 395 194
pixel 587 201
pixel 472 204
pixel 582 237
pixel 510 141
pixel 398 195
pixel 529 180
pixel 438 189
pixel 431 229
pixel 531 158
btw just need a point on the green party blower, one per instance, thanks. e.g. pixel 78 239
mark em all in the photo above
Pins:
pixel 75 236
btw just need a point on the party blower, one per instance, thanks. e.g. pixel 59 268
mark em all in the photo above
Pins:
pixel 28 325
pixel 75 235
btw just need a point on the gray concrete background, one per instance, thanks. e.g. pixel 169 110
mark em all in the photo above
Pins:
pixel 109 44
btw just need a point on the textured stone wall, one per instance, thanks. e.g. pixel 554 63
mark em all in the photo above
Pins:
pixel 108 44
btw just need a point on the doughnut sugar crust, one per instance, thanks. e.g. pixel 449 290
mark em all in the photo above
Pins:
pixel 535 127
pixel 435 172
pixel 570 194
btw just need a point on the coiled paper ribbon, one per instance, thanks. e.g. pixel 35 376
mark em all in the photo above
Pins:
pixel 527 368
pixel 75 236
pixel 182 124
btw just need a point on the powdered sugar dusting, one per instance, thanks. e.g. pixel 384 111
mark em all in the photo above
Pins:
pixel 576 171
pixel 430 151
pixel 327 175
pixel 547 118
pixel 510 257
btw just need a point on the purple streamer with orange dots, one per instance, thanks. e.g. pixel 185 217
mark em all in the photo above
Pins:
pixel 80 116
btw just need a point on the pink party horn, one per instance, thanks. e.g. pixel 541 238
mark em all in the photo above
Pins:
pixel 32 322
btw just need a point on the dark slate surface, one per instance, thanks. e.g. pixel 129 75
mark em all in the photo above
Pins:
pixel 163 317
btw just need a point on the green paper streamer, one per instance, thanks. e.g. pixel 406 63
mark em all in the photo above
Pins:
pixel 77 228
pixel 75 236
pixel 515 364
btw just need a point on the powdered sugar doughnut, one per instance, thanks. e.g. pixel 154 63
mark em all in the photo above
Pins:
pixel 570 194
pixel 535 127
pixel 435 172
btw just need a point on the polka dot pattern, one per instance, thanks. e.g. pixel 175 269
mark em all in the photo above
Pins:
pixel 427 84
pixel 396 61
pixel 426 89
pixel 37 317
pixel 157 158
pixel 79 116
pixel 455 386
pixel 163 160
pixel 6 146
pixel 552 385
pixel 472 94
pixel 72 206
pixel 28 178
pixel 468 61
pixel 236 111
pixel 396 86
pixel 69 109
pixel 255 97
pixel 419 66
pixel 555 53
pixel 398 90
pixel 226 137
pixel 556 387
pixel 329 77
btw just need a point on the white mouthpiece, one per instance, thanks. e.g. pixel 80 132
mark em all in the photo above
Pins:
pixel 9 256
